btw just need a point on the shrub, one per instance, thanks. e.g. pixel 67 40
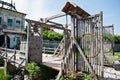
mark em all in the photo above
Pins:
pixel 33 70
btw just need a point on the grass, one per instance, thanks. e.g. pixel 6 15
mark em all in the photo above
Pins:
pixel 117 55
pixel 3 76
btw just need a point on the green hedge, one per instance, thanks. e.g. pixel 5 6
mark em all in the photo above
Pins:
pixel 52 36
pixel 117 39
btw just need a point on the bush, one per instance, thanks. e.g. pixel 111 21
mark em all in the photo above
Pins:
pixel 32 68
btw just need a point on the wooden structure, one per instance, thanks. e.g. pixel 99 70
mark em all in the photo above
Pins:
pixel 83 46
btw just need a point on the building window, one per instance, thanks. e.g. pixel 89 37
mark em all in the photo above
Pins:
pixel 0 20
pixel 17 23
pixel 10 22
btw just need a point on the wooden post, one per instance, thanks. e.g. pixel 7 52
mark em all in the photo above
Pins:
pixel 72 38
pixel 113 45
pixel 27 44
pixel 76 61
pixel 101 39
pixel 64 63
pixel 72 27
pixel 41 36
pixel 5 63
pixel 92 42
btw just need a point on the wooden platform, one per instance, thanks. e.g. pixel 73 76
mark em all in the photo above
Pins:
pixel 53 62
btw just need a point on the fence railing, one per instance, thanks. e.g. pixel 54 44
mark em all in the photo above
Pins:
pixel 48 50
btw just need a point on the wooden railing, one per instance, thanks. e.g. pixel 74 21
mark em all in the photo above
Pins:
pixel 48 50
pixel 15 57
pixel 59 49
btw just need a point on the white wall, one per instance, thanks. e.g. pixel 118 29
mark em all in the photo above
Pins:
pixel 8 14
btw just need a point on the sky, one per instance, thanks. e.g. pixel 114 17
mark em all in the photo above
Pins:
pixel 36 9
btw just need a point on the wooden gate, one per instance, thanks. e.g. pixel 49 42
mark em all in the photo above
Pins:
pixel 85 51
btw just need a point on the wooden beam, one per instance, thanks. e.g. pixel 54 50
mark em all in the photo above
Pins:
pixel 14 32
pixel 32 21
pixel 55 16
pixel 54 25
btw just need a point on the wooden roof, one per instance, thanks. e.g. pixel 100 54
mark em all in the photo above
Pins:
pixel 14 32
pixel 71 9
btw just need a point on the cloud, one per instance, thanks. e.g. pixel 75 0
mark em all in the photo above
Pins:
pixel 35 9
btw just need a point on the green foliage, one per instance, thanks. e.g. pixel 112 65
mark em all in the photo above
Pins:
pixel 74 76
pixel 33 69
pixel 3 76
pixel 48 35
pixel 116 56
pixel 110 38
pixel 87 77
pixel 117 39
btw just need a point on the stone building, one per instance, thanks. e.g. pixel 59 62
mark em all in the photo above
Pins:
pixel 10 19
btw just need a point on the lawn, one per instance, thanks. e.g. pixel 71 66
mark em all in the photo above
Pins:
pixel 117 55
pixel 3 76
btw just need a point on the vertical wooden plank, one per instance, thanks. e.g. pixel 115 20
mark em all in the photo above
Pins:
pixel 92 43
pixel 76 55
pixel 72 37
pixel 72 27
pixel 41 39
pixel 113 39
pixel 101 39
pixel 27 44
pixel 5 63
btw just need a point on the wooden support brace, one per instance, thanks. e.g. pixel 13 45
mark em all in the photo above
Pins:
pixel 21 63
pixel 86 61
pixel 12 56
